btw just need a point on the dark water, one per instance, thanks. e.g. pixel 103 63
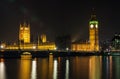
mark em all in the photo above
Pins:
pixel 86 67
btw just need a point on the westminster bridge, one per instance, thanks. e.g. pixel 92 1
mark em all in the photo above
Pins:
pixel 43 53
pixel 8 53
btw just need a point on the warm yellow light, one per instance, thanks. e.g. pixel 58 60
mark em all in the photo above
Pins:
pixel 24 33
pixel 26 28
pixel 21 28
pixel 34 47
pixel 55 48
pixel 43 38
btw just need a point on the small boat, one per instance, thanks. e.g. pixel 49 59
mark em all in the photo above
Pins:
pixel 26 55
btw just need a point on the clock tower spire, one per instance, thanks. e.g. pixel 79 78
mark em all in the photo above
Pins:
pixel 93 32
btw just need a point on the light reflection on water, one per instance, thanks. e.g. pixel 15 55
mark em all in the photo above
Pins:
pixel 51 62
pixel 83 67
pixel 79 67
pixel 55 69
pixel 107 65
pixel 94 68
pixel 34 69
pixel 2 69
pixel 67 70
pixel 25 69
pixel 116 67
pixel 42 68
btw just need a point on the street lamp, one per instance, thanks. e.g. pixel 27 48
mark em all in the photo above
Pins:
pixel 34 47
pixel 1 46
pixel 55 48
pixel 67 48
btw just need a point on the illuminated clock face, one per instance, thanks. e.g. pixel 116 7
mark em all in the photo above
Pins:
pixel 91 26
pixel 96 26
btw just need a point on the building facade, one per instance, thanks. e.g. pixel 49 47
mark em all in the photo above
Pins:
pixel 93 33
pixel 43 38
pixel 115 43
pixel 25 44
pixel 24 33
pixel 93 43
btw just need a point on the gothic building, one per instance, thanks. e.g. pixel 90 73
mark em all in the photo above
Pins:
pixel 93 43
pixel 24 33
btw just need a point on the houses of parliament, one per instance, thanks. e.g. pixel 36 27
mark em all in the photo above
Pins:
pixel 93 43
pixel 25 42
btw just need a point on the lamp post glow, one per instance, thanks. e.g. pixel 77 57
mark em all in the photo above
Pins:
pixel 55 48
pixel 67 48
pixel 34 47
pixel 1 46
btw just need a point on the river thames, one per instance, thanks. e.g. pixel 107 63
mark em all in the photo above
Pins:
pixel 77 67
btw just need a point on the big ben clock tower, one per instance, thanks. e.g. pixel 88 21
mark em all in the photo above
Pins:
pixel 93 33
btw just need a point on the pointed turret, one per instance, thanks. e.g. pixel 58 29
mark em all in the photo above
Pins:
pixel 93 32
pixel 24 33
pixel 93 15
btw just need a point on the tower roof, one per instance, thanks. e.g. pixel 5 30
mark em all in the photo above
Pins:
pixel 93 15
pixel 25 24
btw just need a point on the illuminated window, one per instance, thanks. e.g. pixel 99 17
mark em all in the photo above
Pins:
pixel 26 28
pixel 21 28
pixel 91 26
pixel 96 26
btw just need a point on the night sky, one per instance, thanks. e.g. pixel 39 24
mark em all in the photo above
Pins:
pixel 58 17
